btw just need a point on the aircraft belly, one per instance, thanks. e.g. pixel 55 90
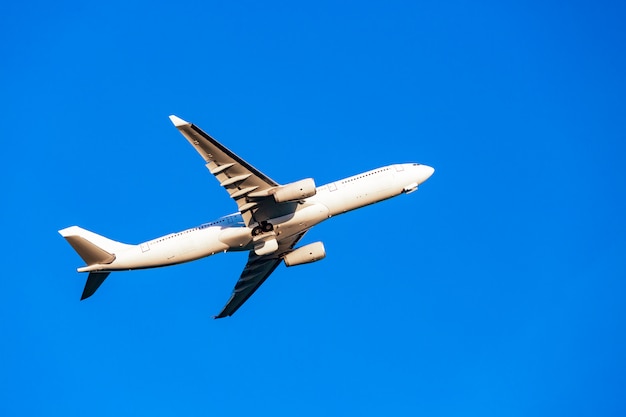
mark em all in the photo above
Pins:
pixel 371 197
pixel 236 238
pixel 304 218
pixel 198 244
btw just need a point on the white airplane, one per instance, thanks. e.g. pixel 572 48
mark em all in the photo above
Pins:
pixel 271 220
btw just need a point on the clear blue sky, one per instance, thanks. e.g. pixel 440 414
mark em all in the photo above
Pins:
pixel 497 289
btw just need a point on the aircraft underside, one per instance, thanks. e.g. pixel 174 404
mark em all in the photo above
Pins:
pixel 272 219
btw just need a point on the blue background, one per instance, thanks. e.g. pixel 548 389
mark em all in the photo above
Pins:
pixel 496 289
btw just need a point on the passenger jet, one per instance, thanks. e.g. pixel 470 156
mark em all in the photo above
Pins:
pixel 271 220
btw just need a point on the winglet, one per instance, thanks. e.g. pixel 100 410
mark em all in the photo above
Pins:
pixel 178 121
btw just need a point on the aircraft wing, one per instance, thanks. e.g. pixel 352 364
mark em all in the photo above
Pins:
pixel 245 184
pixel 256 271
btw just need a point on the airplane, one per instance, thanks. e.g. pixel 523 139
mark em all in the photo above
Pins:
pixel 271 220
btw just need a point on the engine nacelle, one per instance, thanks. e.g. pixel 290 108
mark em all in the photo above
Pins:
pixel 295 191
pixel 306 254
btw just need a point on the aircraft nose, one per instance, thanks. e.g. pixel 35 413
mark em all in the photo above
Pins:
pixel 425 173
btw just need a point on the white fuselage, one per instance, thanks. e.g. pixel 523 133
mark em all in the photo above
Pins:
pixel 229 233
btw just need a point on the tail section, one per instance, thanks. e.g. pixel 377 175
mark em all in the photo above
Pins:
pixel 94 249
pixel 90 252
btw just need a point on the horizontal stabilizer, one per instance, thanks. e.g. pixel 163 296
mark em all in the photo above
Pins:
pixel 94 280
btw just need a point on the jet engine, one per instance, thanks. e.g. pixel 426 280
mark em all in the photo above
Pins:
pixel 305 254
pixel 295 191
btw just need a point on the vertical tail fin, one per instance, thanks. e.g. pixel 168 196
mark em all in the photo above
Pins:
pixel 94 280
pixel 92 247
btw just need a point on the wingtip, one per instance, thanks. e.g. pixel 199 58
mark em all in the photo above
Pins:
pixel 68 231
pixel 177 121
